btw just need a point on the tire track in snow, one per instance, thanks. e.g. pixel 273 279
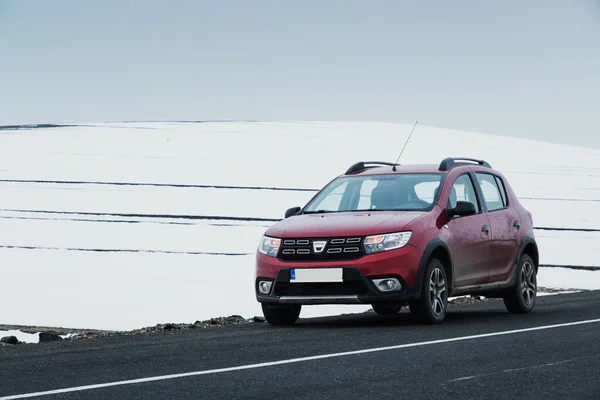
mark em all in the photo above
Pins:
pixel 122 250
pixel 128 221
pixel 33 126
pixel 559 199
pixel 98 250
pixel 215 217
pixel 135 215
pixel 545 228
pixel 174 185
pixel 226 187
pixel 580 267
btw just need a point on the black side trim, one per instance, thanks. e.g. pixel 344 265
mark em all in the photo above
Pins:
pixel 526 241
pixel 433 244
pixel 493 290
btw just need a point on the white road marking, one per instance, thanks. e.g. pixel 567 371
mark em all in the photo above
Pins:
pixel 545 365
pixel 466 378
pixel 293 360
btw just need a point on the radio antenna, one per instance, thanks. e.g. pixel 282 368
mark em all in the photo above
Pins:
pixel 405 143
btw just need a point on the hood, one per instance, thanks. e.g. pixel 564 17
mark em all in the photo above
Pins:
pixel 342 224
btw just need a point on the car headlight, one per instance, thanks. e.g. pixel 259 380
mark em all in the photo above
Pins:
pixel 269 246
pixel 390 241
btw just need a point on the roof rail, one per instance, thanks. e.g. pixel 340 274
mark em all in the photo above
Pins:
pixel 451 162
pixel 361 165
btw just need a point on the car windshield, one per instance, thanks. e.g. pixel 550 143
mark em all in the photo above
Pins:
pixel 391 192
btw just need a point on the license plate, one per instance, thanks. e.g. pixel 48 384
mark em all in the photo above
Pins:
pixel 303 275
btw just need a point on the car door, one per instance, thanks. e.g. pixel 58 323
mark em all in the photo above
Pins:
pixel 469 240
pixel 504 224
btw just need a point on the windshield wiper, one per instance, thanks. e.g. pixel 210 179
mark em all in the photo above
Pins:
pixel 318 212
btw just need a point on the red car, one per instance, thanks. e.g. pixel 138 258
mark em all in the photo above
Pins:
pixel 392 235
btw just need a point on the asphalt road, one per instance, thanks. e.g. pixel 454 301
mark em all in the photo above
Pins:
pixel 561 362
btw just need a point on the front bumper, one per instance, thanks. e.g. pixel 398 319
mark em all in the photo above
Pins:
pixel 355 289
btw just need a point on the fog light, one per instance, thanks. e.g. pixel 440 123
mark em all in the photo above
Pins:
pixel 264 287
pixel 387 284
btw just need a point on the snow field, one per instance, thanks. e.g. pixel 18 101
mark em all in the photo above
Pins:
pixel 157 268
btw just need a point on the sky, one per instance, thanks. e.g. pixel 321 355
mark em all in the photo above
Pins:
pixel 519 68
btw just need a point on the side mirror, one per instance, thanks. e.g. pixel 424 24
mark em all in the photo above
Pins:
pixel 462 209
pixel 292 211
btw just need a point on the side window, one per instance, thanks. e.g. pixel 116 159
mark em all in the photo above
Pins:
pixel 494 199
pixel 463 190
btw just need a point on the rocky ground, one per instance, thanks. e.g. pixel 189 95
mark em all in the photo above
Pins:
pixel 48 334
pixel 53 333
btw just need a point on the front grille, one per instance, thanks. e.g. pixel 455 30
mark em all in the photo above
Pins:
pixel 321 249
pixel 320 289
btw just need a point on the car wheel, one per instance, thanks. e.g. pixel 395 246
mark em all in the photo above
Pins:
pixel 521 298
pixel 430 308
pixel 386 309
pixel 281 315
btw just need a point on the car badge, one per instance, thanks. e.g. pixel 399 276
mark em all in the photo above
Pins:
pixel 319 246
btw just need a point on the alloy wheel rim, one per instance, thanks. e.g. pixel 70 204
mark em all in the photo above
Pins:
pixel 437 292
pixel 528 283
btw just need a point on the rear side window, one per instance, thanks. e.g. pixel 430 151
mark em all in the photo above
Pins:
pixel 493 195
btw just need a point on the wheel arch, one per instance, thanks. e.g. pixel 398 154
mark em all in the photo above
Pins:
pixel 529 247
pixel 436 248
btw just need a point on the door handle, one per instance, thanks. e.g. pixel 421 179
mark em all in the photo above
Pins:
pixel 516 224
pixel 485 229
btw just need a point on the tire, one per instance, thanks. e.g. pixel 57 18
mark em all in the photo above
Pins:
pixel 521 298
pixel 386 309
pixel 431 307
pixel 281 315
